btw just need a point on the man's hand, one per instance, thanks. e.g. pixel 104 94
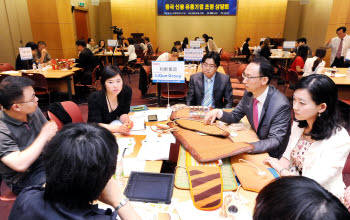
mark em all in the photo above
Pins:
pixel 48 130
pixel 211 116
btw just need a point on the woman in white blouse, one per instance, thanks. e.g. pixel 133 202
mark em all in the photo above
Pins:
pixel 318 146
pixel 131 51
pixel 315 64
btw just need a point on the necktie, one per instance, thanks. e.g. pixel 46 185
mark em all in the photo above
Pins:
pixel 340 48
pixel 255 114
pixel 208 94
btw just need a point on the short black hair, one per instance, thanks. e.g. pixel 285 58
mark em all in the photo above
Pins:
pixel 131 41
pixel 177 43
pixel 206 37
pixel 41 43
pixel 80 42
pixel 11 90
pixel 109 72
pixel 247 40
pixel 302 39
pixel 298 197
pixel 322 89
pixel 265 67
pixel 89 40
pixel 32 45
pixel 341 28
pixel 79 161
pixel 212 55
pixel 147 39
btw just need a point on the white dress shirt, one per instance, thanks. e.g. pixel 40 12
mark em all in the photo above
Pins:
pixel 334 45
pixel 261 98
pixel 164 57
pixel 308 66
pixel 132 53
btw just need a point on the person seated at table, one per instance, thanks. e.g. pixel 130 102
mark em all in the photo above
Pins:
pixel 177 47
pixel 185 43
pixel 173 56
pixel 212 46
pixel 27 64
pixel 297 198
pixel 24 132
pixel 112 102
pixel 80 162
pixel 101 46
pixel 245 48
pixel 265 49
pixel 43 55
pixel 318 146
pixel 299 60
pixel 149 47
pixel 86 61
pixel 209 87
pixel 91 45
pixel 268 111
pixel 258 49
pixel 315 64
pixel 302 42
pixel 131 51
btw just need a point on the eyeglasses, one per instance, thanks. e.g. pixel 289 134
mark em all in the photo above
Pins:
pixel 209 65
pixel 250 77
pixel 31 100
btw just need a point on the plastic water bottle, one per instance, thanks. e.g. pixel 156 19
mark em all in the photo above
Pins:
pixel 34 66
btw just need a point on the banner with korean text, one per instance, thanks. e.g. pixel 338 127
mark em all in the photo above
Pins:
pixel 197 7
pixel 168 71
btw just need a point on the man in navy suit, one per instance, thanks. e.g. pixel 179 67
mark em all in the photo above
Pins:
pixel 268 111
pixel 209 87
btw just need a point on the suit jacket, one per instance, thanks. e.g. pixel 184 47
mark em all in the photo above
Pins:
pixel 222 90
pixel 274 121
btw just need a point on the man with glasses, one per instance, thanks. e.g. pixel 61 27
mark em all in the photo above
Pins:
pixel 24 132
pixel 209 87
pixel 268 111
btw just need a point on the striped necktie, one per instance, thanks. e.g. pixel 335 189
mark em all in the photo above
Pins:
pixel 208 93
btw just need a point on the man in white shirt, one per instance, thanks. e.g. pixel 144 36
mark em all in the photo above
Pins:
pixel 267 110
pixel 168 56
pixel 339 46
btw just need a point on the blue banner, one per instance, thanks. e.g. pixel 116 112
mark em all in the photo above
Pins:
pixel 197 7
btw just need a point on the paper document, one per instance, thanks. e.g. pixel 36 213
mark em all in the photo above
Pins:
pixel 132 164
pixel 154 150
pixel 125 143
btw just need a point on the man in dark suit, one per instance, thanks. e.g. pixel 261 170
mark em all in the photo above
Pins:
pixel 209 87
pixel 86 60
pixel 268 111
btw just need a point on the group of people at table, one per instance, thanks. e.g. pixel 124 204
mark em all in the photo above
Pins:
pixel 59 174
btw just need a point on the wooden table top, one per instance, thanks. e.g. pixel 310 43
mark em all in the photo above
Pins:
pixel 49 74
pixel 110 54
pixel 343 80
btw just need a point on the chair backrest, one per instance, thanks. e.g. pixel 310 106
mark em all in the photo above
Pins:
pixel 292 77
pixel 93 75
pixel 39 80
pixel 72 109
pixel 225 56
pixel 176 90
pixel 6 67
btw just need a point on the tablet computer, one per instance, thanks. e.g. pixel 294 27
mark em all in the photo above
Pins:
pixel 150 187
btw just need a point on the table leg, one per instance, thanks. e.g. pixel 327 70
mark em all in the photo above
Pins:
pixel 69 87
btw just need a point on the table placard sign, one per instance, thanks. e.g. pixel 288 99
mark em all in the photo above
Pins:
pixel 168 71
pixel 193 54
pixel 195 44
pixel 347 56
pixel 288 44
pixel 112 43
pixel 25 53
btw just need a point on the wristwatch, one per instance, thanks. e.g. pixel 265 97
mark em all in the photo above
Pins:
pixel 121 204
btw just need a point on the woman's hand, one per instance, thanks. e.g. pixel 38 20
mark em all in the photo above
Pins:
pixel 273 162
pixel 125 119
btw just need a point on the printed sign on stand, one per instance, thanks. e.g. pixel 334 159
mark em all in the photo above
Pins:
pixel 193 54
pixel 195 44
pixel 25 53
pixel 288 44
pixel 112 43
pixel 168 71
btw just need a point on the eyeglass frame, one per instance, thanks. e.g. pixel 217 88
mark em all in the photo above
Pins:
pixel 212 66
pixel 32 100
pixel 250 77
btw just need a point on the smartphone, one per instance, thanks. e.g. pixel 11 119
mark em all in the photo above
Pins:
pixel 152 118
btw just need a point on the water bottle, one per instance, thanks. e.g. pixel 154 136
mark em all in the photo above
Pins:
pixel 34 66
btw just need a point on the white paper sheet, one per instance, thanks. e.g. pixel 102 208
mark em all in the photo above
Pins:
pixel 154 150
pixel 125 143
pixel 132 164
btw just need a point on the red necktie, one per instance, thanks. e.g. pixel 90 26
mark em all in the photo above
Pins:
pixel 255 114
pixel 338 55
